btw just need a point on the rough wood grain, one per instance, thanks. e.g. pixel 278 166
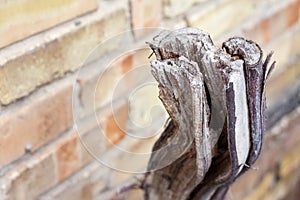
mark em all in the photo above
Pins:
pixel 216 103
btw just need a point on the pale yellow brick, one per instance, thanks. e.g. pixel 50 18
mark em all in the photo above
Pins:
pixel 288 176
pixel 219 17
pixel 287 79
pixel 173 8
pixel 277 18
pixel 174 24
pixel 282 140
pixel 284 187
pixel 262 187
pixel 37 61
pixel 290 162
pixel 22 18
pixel 285 47
pixel 145 108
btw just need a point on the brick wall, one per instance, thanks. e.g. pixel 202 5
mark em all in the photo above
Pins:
pixel 77 99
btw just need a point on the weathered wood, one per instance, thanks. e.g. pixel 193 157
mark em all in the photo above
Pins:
pixel 216 103
pixel 256 76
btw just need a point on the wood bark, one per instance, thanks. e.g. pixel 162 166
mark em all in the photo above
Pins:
pixel 216 102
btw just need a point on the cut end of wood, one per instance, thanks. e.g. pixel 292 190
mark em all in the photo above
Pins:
pixel 215 99
pixel 247 50
pixel 182 42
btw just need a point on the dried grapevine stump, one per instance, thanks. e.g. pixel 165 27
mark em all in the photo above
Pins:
pixel 216 102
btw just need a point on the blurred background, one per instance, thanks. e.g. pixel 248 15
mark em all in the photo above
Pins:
pixel 79 111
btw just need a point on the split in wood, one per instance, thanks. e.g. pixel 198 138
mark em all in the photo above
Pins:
pixel 216 102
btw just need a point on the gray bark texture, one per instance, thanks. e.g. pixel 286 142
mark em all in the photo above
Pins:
pixel 216 101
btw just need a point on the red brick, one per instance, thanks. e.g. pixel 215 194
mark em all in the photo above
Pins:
pixel 77 191
pixel 284 18
pixel 278 20
pixel 115 129
pixel 126 63
pixel 99 86
pixel 139 72
pixel 57 162
pixel 68 151
pixel 28 181
pixel 36 121
pixel 257 31
pixel 145 14
pixel 292 13
pixel 265 24
pixel 92 144
pixel 40 172
pixel 68 157
pixel 86 184
pixel 286 49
